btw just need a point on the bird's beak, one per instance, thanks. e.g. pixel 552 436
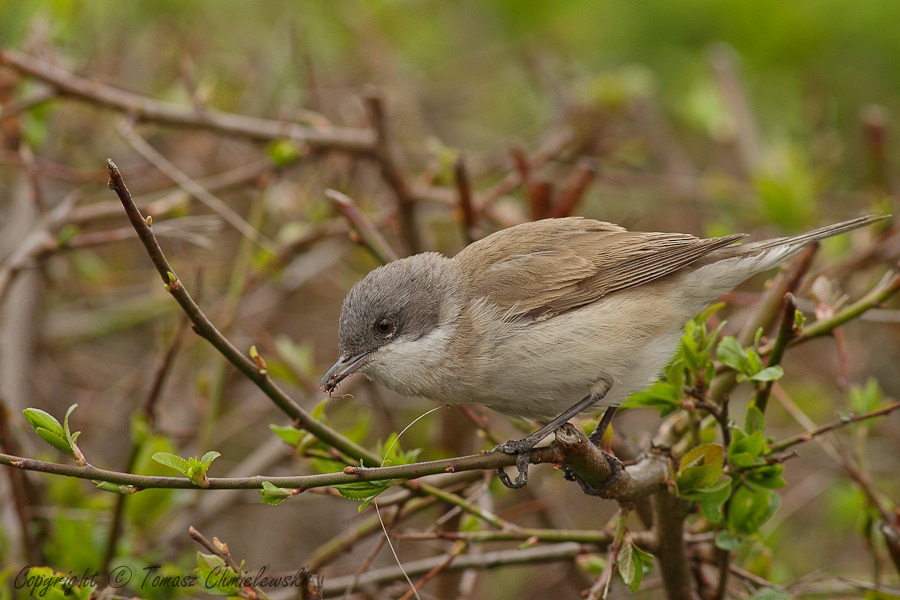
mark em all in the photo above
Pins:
pixel 346 365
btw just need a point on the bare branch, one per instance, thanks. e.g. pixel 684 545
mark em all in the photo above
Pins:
pixel 142 108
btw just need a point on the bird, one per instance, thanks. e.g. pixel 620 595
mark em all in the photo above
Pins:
pixel 545 319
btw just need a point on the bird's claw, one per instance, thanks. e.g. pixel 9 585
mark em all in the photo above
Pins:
pixel 522 450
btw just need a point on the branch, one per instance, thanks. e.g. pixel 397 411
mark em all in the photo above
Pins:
pixel 786 333
pixel 842 422
pixel 301 483
pixel 487 560
pixel 668 517
pixel 878 295
pixel 208 331
pixel 196 190
pixel 142 108
pixel 369 236
pixel 464 196
pixel 384 154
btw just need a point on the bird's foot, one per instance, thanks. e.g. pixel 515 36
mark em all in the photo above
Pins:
pixel 616 468
pixel 522 450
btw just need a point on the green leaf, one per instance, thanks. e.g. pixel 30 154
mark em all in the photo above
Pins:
pixel 40 419
pixel 661 395
pixel 172 461
pixel 107 486
pixel 732 354
pixel 273 495
pixel 768 374
pixel 865 398
pixel 700 468
pixel 726 540
pixel 754 362
pixel 750 509
pixel 209 457
pixel 364 491
pixel 54 585
pixel 288 434
pixel 754 420
pixel 54 440
pixel 214 576
pixel 633 563
pixel 753 444
pixel 282 152
pixel 627 568
pixel 712 500
pixel 767 476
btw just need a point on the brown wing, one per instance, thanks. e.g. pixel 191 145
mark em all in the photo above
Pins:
pixel 543 268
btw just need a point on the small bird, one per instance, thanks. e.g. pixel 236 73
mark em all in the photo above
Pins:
pixel 545 319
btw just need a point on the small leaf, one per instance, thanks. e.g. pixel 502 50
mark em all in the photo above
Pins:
pixel 38 418
pixel 282 152
pixel 712 500
pixel 753 444
pixel 108 486
pixel 700 467
pixel 54 440
pixel 273 495
pixel 288 434
pixel 626 566
pixel 865 398
pixel 209 457
pixel 750 509
pixel 661 395
pixel 768 374
pixel 726 540
pixel 767 476
pixel 172 461
pixel 730 353
pixel 366 491
pixel 215 576
pixel 754 421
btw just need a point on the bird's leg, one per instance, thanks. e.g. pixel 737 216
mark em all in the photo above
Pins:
pixel 597 435
pixel 522 448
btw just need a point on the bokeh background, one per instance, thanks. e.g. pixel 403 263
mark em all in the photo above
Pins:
pixel 700 116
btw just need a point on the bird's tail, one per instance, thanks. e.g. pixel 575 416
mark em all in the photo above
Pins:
pixel 798 241
pixel 723 269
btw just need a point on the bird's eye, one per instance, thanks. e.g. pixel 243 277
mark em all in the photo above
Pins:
pixel 385 327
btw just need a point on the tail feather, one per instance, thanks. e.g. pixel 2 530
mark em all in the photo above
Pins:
pixel 802 239
pixel 723 269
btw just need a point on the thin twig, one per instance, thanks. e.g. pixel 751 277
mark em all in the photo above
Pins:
pixel 786 333
pixel 488 560
pixel 37 245
pixel 147 411
pixel 204 327
pixel 390 171
pixel 457 550
pixel 369 236
pixel 889 286
pixel 193 188
pixel 142 108
pixel 842 422
pixel 574 188
pixel 464 195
